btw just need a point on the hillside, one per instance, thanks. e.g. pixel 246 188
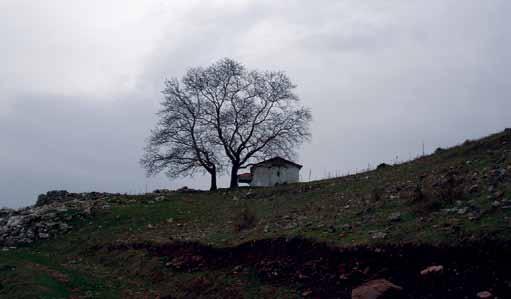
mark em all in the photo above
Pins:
pixel 315 240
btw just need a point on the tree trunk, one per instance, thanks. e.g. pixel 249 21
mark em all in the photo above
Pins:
pixel 213 186
pixel 234 176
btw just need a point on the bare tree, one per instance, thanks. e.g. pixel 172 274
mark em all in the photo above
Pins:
pixel 254 114
pixel 182 143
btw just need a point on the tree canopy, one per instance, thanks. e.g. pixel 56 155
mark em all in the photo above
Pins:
pixel 226 113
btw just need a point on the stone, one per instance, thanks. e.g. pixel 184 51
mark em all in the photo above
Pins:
pixel 499 194
pixel 48 218
pixel 394 217
pixel 379 235
pixel 14 221
pixel 474 189
pixel 462 211
pixel 484 295
pixel 51 197
pixel 432 270
pixel 383 166
pixel 44 235
pixel 347 226
pixel 376 289
pixel 306 293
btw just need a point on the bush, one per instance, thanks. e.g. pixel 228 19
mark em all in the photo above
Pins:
pixel 376 195
pixel 424 202
pixel 244 219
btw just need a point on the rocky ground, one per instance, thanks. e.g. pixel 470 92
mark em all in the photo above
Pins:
pixel 52 215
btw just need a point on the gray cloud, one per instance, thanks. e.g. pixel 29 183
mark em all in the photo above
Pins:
pixel 80 80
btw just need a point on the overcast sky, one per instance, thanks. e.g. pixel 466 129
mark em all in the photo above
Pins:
pixel 80 81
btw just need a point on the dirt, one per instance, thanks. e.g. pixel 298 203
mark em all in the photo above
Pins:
pixel 318 270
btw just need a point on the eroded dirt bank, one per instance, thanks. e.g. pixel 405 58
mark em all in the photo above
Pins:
pixel 317 270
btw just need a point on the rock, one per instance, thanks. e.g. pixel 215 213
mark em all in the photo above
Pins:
pixel 5 212
pixel 496 204
pixel 14 221
pixel 44 235
pixel 185 189
pixel 379 235
pixel 347 226
pixel 484 295
pixel 161 191
pixel 394 217
pixel 383 166
pixel 376 289
pixel 432 270
pixel 499 194
pixel 48 218
pixel 462 211
pixel 306 293
pixel 474 189
pixel 51 196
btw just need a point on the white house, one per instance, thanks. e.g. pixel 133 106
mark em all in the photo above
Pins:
pixel 271 172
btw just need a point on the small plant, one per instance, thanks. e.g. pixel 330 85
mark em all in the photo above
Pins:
pixel 439 150
pixel 244 219
pixel 376 195
pixel 418 194
pixel 450 190
pixel 424 202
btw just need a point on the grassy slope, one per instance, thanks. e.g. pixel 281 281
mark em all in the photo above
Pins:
pixel 343 211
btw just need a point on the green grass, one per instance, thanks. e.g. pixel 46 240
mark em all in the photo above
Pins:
pixel 32 274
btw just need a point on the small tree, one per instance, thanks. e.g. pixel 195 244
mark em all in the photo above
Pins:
pixel 254 114
pixel 182 143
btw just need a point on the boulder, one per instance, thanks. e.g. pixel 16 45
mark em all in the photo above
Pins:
pixel 394 217
pixel 377 289
pixel 383 166
pixel 49 217
pixel 474 189
pixel 379 235
pixel 50 197
pixel 431 270
pixel 484 295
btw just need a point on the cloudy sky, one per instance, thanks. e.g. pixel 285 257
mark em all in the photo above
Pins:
pixel 80 80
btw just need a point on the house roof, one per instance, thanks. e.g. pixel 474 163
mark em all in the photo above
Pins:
pixel 277 161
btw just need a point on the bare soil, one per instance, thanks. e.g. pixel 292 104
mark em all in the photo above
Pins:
pixel 318 270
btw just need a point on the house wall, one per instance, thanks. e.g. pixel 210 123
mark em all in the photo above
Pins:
pixel 271 176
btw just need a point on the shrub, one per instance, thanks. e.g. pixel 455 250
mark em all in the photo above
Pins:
pixel 244 219
pixel 376 194
pixel 424 202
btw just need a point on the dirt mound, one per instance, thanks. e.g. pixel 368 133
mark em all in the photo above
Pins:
pixel 322 271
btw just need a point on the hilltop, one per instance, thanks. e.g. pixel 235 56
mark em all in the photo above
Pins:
pixel 322 239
